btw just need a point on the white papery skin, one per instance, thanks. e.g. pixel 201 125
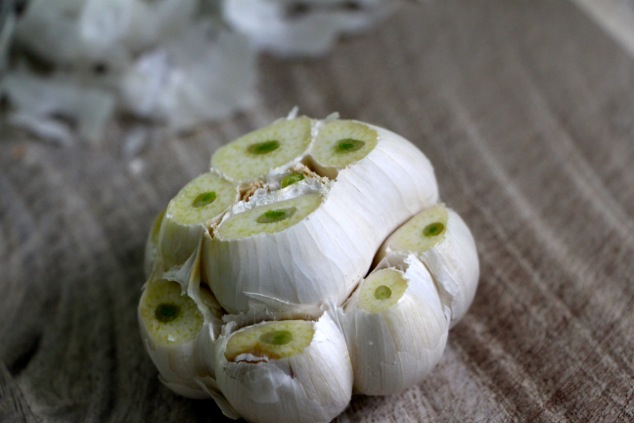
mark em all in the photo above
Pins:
pixel 453 263
pixel 396 348
pixel 313 386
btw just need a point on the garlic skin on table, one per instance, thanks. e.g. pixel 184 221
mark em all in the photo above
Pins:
pixel 312 261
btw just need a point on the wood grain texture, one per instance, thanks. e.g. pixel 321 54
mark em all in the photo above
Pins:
pixel 526 110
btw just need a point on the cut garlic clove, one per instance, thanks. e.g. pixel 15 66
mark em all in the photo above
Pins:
pixel 395 328
pixel 297 251
pixel 257 153
pixel 201 202
pixel 175 335
pixel 442 241
pixel 288 370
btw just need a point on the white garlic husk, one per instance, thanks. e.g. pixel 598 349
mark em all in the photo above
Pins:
pixel 394 345
pixel 453 260
pixel 313 385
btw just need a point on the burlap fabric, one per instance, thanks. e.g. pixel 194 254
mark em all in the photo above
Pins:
pixel 526 110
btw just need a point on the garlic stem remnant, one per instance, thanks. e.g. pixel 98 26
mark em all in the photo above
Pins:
pixel 204 199
pixel 276 215
pixel 348 145
pixel 273 253
pixel 166 312
pixel 291 179
pixel 263 147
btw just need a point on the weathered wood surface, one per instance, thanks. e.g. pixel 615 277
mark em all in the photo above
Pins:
pixel 527 111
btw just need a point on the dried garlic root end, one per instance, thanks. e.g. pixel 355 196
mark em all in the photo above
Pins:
pixel 257 153
pixel 272 340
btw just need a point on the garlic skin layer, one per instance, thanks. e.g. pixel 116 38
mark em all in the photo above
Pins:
pixel 313 261
pixel 396 347
pixel 315 385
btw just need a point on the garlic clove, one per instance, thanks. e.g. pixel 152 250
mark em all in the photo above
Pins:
pixel 395 328
pixel 443 242
pixel 297 251
pixel 257 153
pixel 286 370
pixel 201 202
pixel 176 336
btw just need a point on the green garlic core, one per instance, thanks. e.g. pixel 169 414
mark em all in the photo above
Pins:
pixel 382 292
pixel 167 312
pixel 347 145
pixel 433 229
pixel 278 215
pixel 277 337
pixel 263 147
pixel 204 199
pixel 291 179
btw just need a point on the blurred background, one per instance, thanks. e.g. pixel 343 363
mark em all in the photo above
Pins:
pixel 526 110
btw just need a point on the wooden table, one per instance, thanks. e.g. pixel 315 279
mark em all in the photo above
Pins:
pixel 526 110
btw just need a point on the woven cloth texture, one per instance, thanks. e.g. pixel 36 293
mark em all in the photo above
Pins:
pixel 526 110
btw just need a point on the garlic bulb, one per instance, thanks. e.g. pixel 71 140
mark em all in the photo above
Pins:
pixel 313 260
